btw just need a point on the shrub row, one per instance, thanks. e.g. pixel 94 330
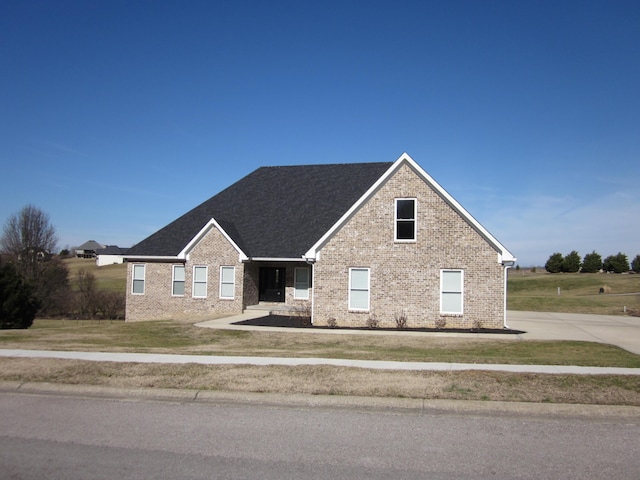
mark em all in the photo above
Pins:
pixel 592 263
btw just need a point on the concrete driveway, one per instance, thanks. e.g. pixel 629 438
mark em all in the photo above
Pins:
pixel 623 332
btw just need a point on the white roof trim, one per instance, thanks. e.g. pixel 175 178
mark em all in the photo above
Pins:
pixel 276 259
pixel 151 258
pixel 503 254
pixel 200 235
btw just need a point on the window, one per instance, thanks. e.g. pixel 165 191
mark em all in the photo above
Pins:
pixel 227 282
pixel 358 289
pixel 451 282
pixel 177 285
pixel 405 219
pixel 301 283
pixel 200 282
pixel 138 279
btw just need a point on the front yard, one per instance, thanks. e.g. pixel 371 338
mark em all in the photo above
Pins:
pixel 174 337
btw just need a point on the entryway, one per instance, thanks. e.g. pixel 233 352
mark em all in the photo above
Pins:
pixel 272 284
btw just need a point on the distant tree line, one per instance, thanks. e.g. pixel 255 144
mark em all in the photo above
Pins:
pixel 35 281
pixel 592 263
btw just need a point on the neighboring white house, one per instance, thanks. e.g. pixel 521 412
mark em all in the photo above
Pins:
pixel 110 255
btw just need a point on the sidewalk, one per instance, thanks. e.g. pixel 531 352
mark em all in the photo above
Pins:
pixel 263 361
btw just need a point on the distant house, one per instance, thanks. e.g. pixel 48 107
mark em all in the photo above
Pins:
pixel 345 242
pixel 88 249
pixel 111 254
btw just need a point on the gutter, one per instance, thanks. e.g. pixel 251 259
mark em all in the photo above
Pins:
pixel 152 258
pixel 275 259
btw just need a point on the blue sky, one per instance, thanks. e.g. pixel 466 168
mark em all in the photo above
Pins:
pixel 117 117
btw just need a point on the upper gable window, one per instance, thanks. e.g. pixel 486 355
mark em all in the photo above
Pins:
pixel 405 228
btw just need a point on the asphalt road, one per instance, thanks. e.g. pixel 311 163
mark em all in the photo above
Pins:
pixel 71 437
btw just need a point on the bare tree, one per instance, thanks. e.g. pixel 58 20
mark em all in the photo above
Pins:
pixel 28 236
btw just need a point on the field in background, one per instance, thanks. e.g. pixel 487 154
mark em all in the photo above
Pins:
pixel 109 277
pixel 579 292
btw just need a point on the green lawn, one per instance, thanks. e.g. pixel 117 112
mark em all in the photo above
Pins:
pixel 579 292
pixel 109 277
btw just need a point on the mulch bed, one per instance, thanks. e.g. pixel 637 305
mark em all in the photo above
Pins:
pixel 302 322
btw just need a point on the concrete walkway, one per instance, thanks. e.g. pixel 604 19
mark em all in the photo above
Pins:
pixel 263 361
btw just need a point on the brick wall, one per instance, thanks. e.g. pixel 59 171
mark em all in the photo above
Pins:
pixel 405 277
pixel 157 303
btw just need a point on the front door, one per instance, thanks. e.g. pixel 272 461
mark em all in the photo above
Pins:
pixel 272 284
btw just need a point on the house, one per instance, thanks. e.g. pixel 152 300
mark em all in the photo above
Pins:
pixel 345 242
pixel 110 255
pixel 88 249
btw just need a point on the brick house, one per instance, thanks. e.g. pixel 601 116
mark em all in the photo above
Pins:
pixel 345 241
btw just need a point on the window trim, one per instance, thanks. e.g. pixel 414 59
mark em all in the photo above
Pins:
pixel 368 289
pixel 134 279
pixel 233 268
pixel 397 220
pixel 206 281
pixel 304 290
pixel 442 291
pixel 174 281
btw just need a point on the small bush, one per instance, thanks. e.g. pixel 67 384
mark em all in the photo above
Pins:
pixel 332 323
pixel 441 322
pixel 95 303
pixel 401 320
pixel 110 304
pixel 372 321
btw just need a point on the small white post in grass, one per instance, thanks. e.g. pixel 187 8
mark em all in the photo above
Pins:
pixel 624 309
pixel 558 291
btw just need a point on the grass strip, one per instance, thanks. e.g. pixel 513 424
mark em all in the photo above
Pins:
pixel 329 380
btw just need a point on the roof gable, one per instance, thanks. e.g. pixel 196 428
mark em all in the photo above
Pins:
pixel 90 245
pixel 274 212
pixel 504 256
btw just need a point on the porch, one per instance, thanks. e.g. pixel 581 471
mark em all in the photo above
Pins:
pixel 278 288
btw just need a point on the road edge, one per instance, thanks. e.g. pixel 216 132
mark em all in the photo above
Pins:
pixel 417 405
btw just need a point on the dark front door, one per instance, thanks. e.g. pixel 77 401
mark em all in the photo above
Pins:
pixel 272 285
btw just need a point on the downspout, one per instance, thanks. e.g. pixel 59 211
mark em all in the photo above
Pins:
pixel 311 263
pixel 507 265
